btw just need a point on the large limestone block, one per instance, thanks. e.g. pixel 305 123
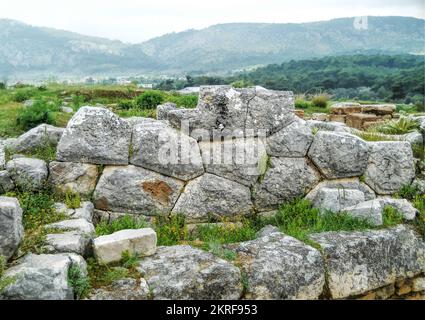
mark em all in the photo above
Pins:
pixel 165 150
pixel 28 173
pixel 285 180
pixel 77 177
pixel 292 141
pixel 136 190
pixel 110 248
pixel 123 289
pixel 43 277
pixel 67 242
pixel 95 135
pixel 403 206
pixel 80 225
pixel 281 267
pixel 358 262
pixel 339 155
pixel 371 211
pixel 6 182
pixel 37 137
pixel 335 200
pixel 186 273
pixel 213 195
pixel 390 166
pixel 242 160
pixel 11 229
pixel 226 109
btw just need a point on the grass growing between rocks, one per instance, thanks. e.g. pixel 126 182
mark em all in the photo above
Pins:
pixel 4 281
pixel 79 282
pixel 413 194
pixel 38 211
pixel 126 222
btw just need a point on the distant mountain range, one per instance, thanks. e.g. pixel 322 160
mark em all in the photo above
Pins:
pixel 35 52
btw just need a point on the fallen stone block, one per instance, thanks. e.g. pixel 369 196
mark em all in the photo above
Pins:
pixel 110 248
pixel 11 228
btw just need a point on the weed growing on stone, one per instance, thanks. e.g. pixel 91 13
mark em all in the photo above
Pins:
pixel 124 223
pixel 72 199
pixel 78 282
pixel 299 219
pixel 216 248
pixel 391 217
pixel 413 194
pixel 170 230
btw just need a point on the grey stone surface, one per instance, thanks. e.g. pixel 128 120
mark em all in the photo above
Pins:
pixel 332 199
pixel 419 184
pixel 43 277
pixel 292 141
pixel 226 109
pixel 2 155
pixel 80 225
pixel 414 138
pixel 109 248
pixel 136 190
pixel 390 166
pixel 163 109
pixel 166 150
pixel 186 273
pixel 77 177
pixel 369 210
pixel 386 255
pixel 339 155
pixel 242 160
pixel 285 180
pixel 401 205
pixel 95 135
pixel 11 229
pixel 124 289
pixel 6 183
pixel 28 173
pixel 38 137
pixel 280 267
pixel 213 195
pixel 67 242
pixel 343 184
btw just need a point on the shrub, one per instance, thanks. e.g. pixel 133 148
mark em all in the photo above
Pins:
pixel 398 126
pixel 39 113
pixel 4 281
pixel 2 86
pixel 125 104
pixel 123 223
pixel 22 95
pixel 186 101
pixel 302 104
pixel 320 101
pixel 150 99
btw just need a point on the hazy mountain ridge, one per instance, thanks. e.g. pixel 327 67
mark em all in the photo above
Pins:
pixel 40 51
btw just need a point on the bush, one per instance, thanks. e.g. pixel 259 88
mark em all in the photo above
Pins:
pixel 22 95
pixel 302 104
pixel 186 101
pixel 39 113
pixel 125 104
pixel 320 101
pixel 150 99
pixel 2 86
pixel 79 282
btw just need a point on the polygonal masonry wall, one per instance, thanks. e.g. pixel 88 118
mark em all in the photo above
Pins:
pixel 240 151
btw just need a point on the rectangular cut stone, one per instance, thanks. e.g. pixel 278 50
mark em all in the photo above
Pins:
pixel 379 109
pixel 358 262
pixel 110 248
pixel 356 120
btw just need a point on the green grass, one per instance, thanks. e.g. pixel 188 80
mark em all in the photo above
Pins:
pixel 417 198
pixel 299 219
pixel 78 282
pixel 124 223
pixel 72 200
pixel 4 281
pixel 402 125
pixel 8 114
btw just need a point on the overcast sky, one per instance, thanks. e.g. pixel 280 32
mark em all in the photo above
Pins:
pixel 138 20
